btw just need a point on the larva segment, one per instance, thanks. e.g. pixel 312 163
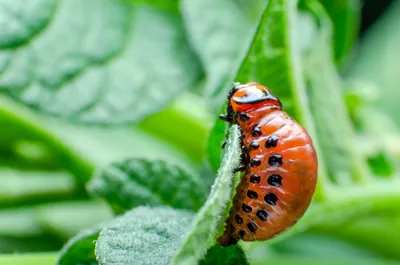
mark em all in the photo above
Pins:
pixel 280 177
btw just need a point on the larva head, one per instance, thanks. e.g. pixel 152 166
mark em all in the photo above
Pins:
pixel 250 96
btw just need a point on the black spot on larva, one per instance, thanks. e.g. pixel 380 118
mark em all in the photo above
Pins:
pixel 254 145
pixel 256 131
pixel 275 160
pixel 275 180
pixel 252 194
pixel 255 179
pixel 271 198
pixel 233 228
pixel 238 219
pixel 255 162
pixel 272 141
pixel 242 233
pixel 246 208
pixel 252 227
pixel 262 215
pixel 244 116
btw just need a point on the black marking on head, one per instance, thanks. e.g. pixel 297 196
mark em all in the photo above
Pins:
pixel 271 198
pixel 256 131
pixel 275 160
pixel 254 145
pixel 262 215
pixel 238 219
pixel 272 141
pixel 255 179
pixel 252 194
pixel 246 208
pixel 244 116
pixel 275 180
pixel 242 233
pixel 255 162
pixel 252 227
pixel 254 96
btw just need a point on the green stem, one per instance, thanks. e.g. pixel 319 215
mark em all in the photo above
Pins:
pixel 29 259
pixel 20 115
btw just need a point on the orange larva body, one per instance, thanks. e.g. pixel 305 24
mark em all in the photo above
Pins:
pixel 279 167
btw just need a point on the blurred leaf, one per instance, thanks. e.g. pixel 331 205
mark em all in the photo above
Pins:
pixel 22 21
pixel 317 246
pixel 334 129
pixel 169 5
pixel 377 233
pixel 300 260
pixel 209 222
pixel 148 235
pixel 381 165
pixel 346 17
pixel 191 119
pixel 377 60
pixel 19 186
pixel 66 219
pixel 115 62
pixel 28 259
pixel 28 244
pixel 135 182
pixel 79 250
pixel 221 38
pixel 81 149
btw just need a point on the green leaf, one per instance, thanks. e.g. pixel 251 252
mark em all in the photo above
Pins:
pixel 209 223
pixel 81 149
pixel 334 129
pixel 221 38
pixel 135 182
pixel 21 21
pixel 346 17
pixel 151 236
pixel 118 63
pixel 79 250
pixel 148 235
pixel 375 61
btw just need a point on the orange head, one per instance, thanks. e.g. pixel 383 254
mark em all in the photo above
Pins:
pixel 244 97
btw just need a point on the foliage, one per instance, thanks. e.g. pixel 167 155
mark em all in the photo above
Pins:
pixel 109 107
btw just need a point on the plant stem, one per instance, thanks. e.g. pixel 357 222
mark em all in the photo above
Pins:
pixel 49 258
pixel 20 115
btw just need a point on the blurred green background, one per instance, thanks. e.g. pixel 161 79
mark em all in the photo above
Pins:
pixel 65 112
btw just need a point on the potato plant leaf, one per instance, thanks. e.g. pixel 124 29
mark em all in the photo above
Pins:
pixel 221 38
pixel 79 250
pixel 346 17
pixel 135 182
pixel 144 235
pixel 210 221
pixel 94 61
